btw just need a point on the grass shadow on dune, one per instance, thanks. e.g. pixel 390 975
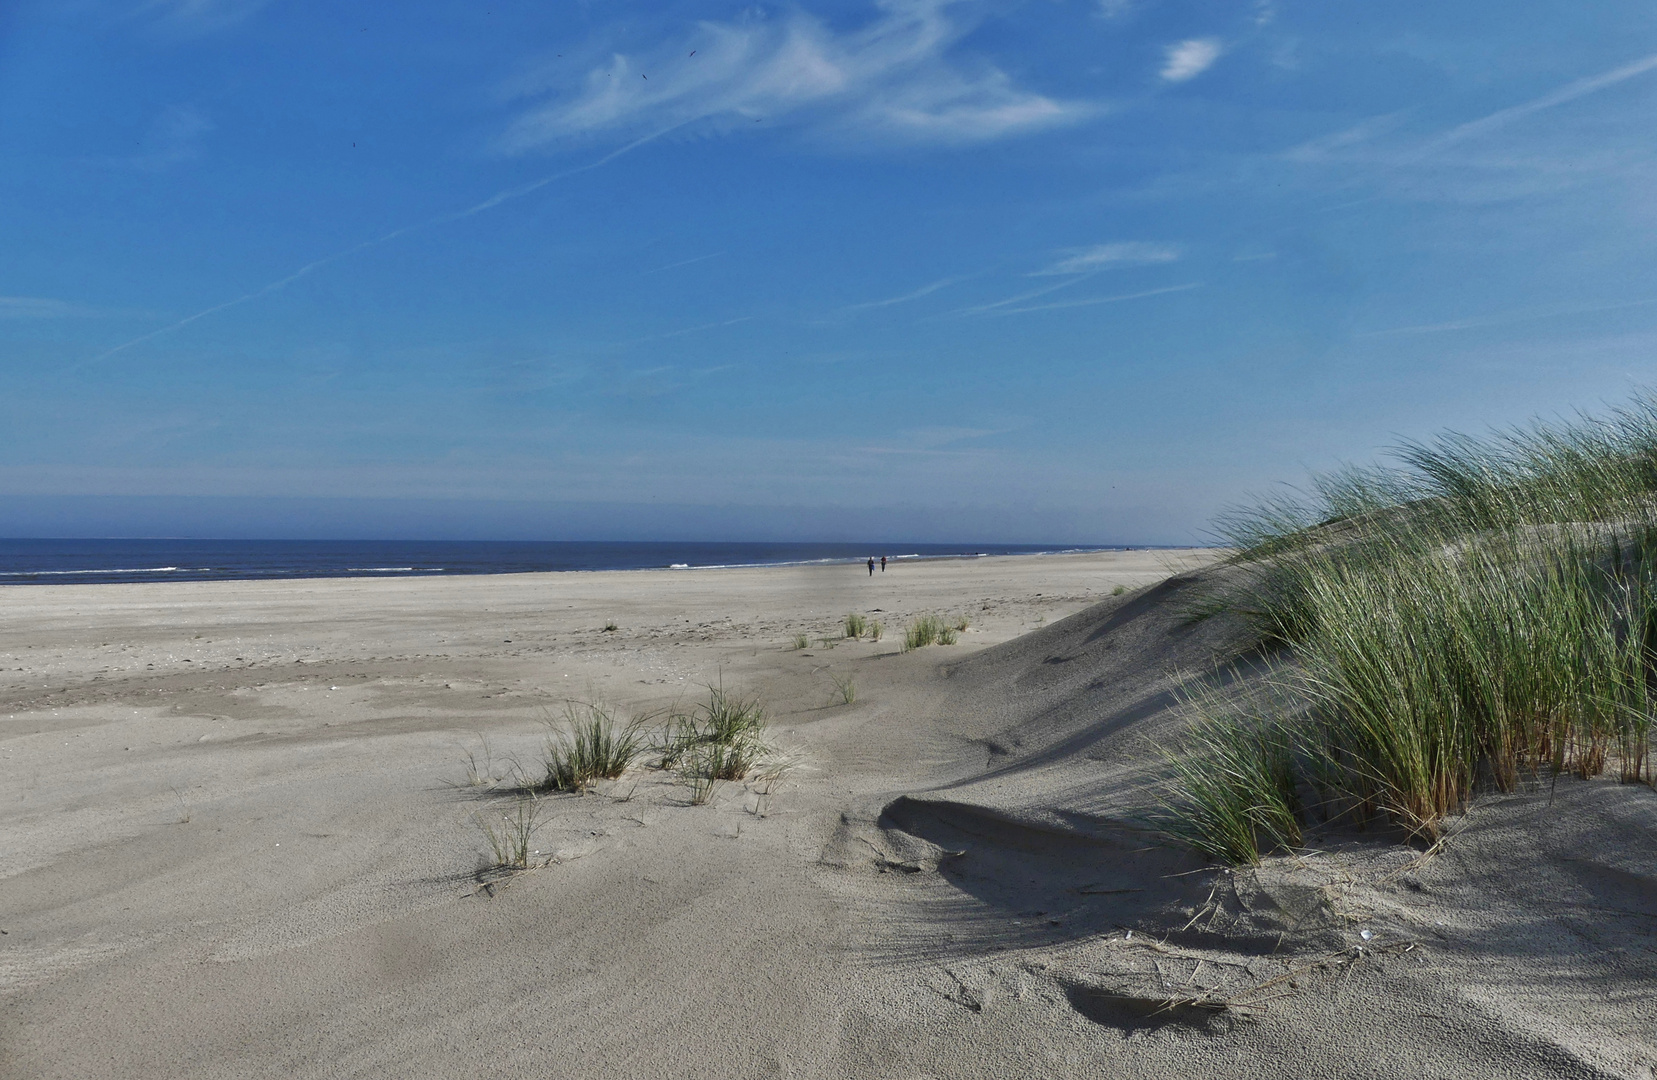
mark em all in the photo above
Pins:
pixel 986 882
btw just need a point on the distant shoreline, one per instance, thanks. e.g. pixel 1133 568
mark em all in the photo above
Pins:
pixel 111 562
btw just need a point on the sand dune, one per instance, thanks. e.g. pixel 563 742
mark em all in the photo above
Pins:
pixel 234 846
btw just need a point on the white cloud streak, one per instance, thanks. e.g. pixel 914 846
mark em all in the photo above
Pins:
pixel 684 262
pixel 38 307
pixel 984 309
pixel 1092 300
pixel 1122 253
pixel 490 203
pixel 892 80
pixel 1365 142
pixel 202 16
pixel 1570 92
pixel 1188 59
pixel 924 290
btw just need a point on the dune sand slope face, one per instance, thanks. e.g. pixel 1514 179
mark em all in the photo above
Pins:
pixel 237 842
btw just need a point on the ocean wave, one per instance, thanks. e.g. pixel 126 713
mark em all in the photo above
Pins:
pixel 136 570
pixel 389 569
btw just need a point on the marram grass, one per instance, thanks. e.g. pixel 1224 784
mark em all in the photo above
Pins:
pixel 1482 614
pixel 1232 790
pixel 723 740
pixel 588 747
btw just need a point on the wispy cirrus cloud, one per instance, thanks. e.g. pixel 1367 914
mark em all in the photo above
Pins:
pixel 1092 301
pixel 201 16
pixel 1104 256
pixel 1569 92
pixel 1368 140
pixel 924 290
pixel 684 262
pixel 174 138
pixel 895 79
pixel 42 307
pixel 1023 297
pixel 1190 58
pixel 500 198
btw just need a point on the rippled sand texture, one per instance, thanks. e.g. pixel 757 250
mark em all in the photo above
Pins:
pixel 237 841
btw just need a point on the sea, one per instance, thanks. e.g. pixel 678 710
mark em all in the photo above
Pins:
pixel 59 562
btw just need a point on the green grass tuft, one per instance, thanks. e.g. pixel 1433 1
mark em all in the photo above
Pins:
pixel 723 740
pixel 1479 616
pixel 1230 791
pixel 844 688
pixel 590 746
pixel 923 631
pixel 856 625
pixel 510 832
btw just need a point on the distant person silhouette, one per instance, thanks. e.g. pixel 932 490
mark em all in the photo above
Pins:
pixel 883 564
pixel 871 566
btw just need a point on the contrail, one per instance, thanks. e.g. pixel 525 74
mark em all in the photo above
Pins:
pixel 443 219
pixel 1569 92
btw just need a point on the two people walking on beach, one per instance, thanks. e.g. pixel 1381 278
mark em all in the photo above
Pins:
pixel 872 565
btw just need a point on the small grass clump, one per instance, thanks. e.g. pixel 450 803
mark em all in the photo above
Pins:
pixel 590 746
pixel 926 630
pixel 480 773
pixel 845 689
pixel 1119 590
pixel 611 627
pixel 509 833
pixel 963 624
pixel 856 626
pixel 876 629
pixel 722 740
pixel 801 641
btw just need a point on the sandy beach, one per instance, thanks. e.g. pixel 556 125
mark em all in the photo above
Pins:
pixel 238 839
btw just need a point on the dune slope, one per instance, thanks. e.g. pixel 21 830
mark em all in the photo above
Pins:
pixel 267 869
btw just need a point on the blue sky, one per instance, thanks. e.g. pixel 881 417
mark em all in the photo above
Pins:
pixel 1058 270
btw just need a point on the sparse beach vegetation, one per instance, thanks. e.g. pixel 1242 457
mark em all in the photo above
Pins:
pixel 509 833
pixel 923 631
pixel 1481 615
pixel 845 689
pixel 801 641
pixel 724 739
pixel 589 746
pixel 480 773
pixel 856 625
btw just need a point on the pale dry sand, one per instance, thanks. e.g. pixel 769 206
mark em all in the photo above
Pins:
pixel 233 846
